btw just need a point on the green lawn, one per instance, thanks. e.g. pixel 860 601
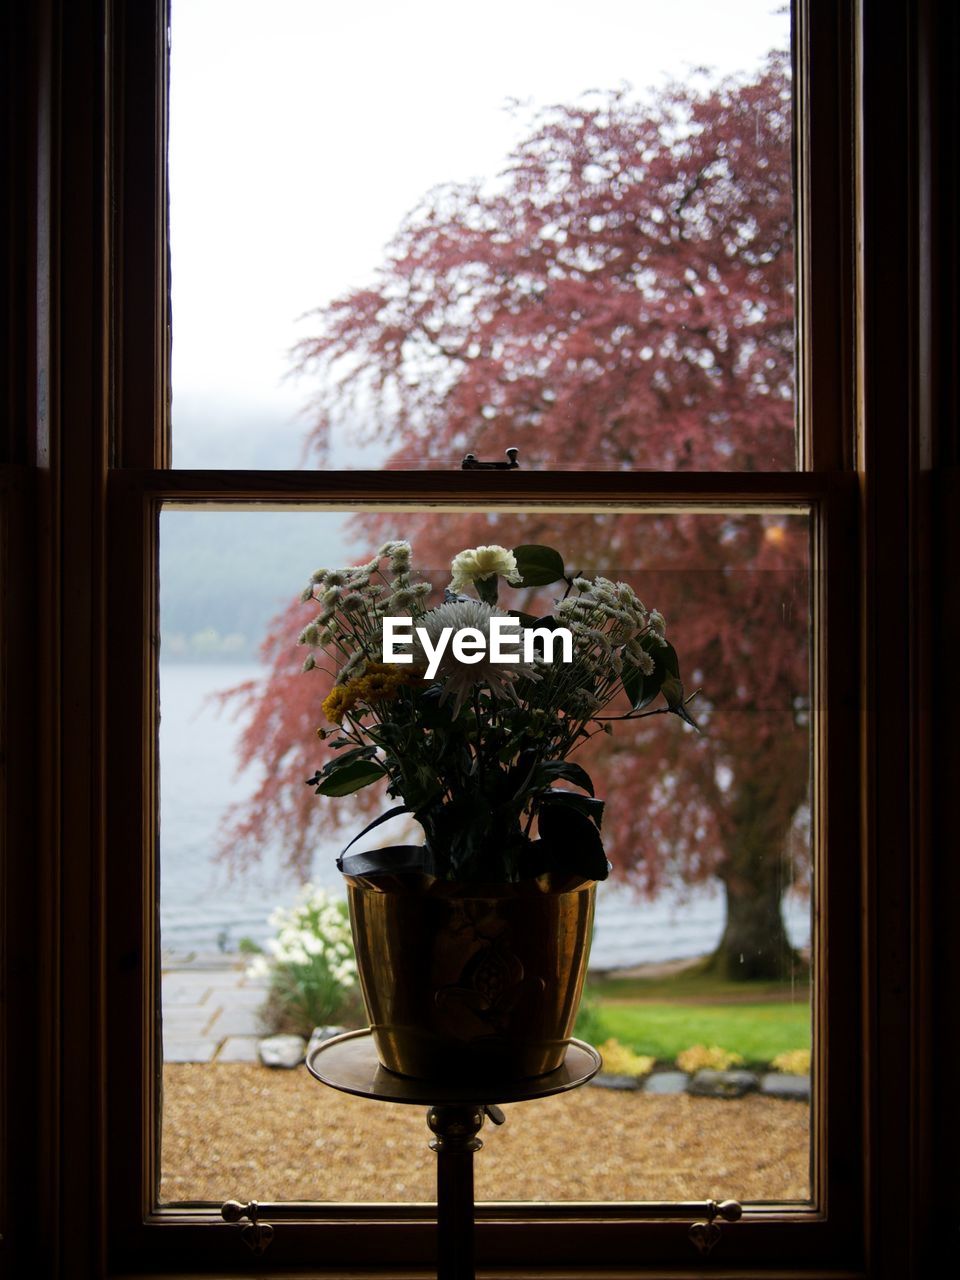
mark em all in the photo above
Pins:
pixel 756 1031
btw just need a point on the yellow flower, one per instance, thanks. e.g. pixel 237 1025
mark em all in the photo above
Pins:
pixel 618 1060
pixel 699 1056
pixel 380 681
pixel 793 1062
pixel 377 686
pixel 338 702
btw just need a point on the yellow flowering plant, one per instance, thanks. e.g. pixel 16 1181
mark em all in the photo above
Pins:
pixel 475 748
pixel 701 1057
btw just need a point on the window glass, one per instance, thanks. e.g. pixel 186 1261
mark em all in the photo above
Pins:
pixel 703 938
pixel 562 230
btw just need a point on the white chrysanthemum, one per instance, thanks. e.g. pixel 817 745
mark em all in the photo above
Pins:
pixel 401 600
pixel 641 659
pixel 395 547
pixel 483 562
pixel 460 678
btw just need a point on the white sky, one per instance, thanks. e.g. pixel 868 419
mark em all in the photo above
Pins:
pixel 301 132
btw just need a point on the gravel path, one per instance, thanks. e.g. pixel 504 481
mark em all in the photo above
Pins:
pixel 238 1131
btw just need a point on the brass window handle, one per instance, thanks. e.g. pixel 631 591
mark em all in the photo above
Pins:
pixel 472 463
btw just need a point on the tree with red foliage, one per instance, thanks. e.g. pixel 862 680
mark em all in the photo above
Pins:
pixel 620 298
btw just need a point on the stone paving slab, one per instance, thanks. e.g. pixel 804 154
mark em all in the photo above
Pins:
pixel 177 989
pixel 239 1049
pixel 196 1050
pixel 185 1022
pixel 234 1021
pixel 245 997
pixel 211 1013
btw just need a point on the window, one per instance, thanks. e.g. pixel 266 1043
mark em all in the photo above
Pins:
pixel 95 404
pixel 745 480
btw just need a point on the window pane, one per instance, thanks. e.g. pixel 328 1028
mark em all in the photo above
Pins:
pixel 543 230
pixel 702 945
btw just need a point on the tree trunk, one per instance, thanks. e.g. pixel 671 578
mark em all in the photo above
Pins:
pixel 754 945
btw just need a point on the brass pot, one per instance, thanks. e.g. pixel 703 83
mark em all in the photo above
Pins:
pixel 470 982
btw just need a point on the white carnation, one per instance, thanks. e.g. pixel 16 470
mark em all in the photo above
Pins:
pixel 483 562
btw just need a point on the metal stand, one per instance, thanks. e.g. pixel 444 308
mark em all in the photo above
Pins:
pixel 456 1115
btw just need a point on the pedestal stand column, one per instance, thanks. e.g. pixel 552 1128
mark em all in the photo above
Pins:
pixel 456 1129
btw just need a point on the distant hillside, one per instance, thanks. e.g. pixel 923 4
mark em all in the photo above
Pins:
pixel 225 574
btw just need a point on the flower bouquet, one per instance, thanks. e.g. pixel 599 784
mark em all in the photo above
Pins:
pixel 472 947
pixel 478 748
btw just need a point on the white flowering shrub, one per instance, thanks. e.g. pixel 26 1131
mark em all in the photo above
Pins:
pixel 310 963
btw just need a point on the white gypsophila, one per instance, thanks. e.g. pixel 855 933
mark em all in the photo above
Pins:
pixel 314 930
pixel 459 679
pixel 259 967
pixel 345 974
pixel 476 563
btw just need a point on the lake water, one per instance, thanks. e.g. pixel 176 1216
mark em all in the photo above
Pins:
pixel 204 909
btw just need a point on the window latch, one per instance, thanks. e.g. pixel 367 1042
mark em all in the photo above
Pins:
pixel 256 1235
pixel 472 463
pixel 706 1234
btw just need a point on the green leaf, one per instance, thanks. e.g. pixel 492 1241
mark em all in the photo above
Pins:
pixel 587 805
pixel 667 655
pixel 634 685
pixel 538 566
pixel 672 691
pixel 641 689
pixel 572 842
pixel 351 777
pixel 548 770
pixel 673 694
pixel 357 753
pixel 665 679
pixel 384 817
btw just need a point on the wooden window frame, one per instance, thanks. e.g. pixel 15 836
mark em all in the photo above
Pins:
pixel 81 486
